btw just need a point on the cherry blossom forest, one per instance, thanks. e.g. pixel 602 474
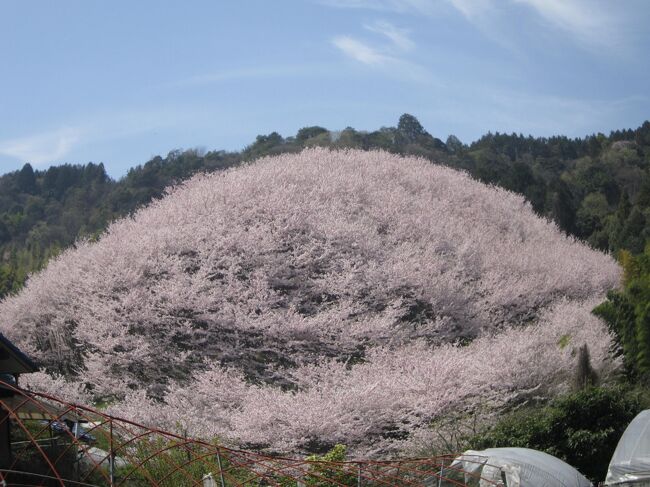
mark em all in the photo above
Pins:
pixel 317 298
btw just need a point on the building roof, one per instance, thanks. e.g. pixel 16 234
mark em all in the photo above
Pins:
pixel 12 360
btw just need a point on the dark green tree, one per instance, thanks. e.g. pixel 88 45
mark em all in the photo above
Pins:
pixel 561 205
pixel 627 314
pixel 5 234
pixel 585 375
pixel 27 180
pixel 454 144
pixel 306 133
pixel 410 128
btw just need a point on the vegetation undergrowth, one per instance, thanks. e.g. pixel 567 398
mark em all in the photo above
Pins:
pixel 581 428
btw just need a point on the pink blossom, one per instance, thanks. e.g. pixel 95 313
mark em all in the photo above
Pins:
pixel 320 296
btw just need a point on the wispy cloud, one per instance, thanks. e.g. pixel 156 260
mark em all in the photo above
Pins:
pixel 589 22
pixel 54 145
pixel 360 51
pixel 390 57
pixel 471 9
pixel 399 37
pixel 379 58
pixel 43 147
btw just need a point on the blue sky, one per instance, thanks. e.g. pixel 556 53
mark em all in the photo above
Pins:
pixel 118 82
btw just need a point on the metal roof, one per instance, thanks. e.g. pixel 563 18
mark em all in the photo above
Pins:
pixel 12 360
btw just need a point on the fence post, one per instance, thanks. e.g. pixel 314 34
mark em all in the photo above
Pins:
pixel 223 483
pixel 77 449
pixel 442 472
pixel 358 475
pixel 111 454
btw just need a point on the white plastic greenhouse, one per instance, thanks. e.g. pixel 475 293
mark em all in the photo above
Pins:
pixel 519 467
pixel 630 464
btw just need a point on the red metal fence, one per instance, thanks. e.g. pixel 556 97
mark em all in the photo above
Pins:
pixel 54 443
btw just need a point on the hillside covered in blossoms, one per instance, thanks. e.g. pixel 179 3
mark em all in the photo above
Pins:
pixel 317 298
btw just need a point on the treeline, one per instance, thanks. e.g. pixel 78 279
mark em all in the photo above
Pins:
pixel 596 188
pixel 43 212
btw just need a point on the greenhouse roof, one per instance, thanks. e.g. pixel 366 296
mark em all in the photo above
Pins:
pixel 631 460
pixel 521 467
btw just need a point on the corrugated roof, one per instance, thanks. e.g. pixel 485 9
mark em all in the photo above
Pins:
pixel 13 360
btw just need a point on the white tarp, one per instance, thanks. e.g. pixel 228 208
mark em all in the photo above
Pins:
pixel 520 467
pixel 630 463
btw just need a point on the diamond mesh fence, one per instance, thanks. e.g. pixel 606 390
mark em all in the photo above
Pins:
pixel 49 442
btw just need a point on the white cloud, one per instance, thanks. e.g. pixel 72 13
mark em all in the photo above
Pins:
pixel 399 37
pixel 41 148
pixel 590 22
pixel 54 145
pixel 386 56
pixel 360 51
pixel 378 59
pixel 471 8
pixel 587 21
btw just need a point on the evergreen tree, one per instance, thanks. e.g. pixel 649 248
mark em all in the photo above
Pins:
pixel 585 374
pixel 26 180
pixel 410 128
pixel 562 206
pixel 643 339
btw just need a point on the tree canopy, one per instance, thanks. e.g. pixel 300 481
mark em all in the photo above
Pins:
pixel 319 278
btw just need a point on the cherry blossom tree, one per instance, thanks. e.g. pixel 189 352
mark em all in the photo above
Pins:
pixel 334 297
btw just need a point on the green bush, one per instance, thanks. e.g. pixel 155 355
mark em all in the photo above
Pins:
pixel 582 428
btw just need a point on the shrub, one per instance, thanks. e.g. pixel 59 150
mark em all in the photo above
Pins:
pixel 582 428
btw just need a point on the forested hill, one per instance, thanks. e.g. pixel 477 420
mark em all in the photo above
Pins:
pixel 596 188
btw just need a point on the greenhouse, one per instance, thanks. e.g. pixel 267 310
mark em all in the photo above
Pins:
pixel 519 467
pixel 630 464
